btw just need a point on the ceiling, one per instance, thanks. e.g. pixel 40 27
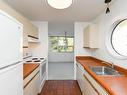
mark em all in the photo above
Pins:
pixel 39 10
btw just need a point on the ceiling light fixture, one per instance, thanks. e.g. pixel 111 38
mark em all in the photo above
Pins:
pixel 107 2
pixel 60 4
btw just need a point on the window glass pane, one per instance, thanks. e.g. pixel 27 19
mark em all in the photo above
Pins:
pixel 70 49
pixel 119 38
pixel 61 41
pixel 61 49
pixel 53 44
pixel 70 41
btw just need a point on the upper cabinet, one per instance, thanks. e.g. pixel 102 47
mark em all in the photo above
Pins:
pixel 28 27
pixel 91 37
pixel 33 34
pixel 33 31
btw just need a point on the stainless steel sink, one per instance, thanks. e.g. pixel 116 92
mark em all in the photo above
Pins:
pixel 103 70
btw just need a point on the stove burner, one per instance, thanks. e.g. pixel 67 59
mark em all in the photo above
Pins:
pixel 28 61
pixel 37 61
pixel 37 58
pixel 41 58
pixel 34 58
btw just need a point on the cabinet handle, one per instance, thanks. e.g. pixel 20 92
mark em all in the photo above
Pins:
pixel 33 37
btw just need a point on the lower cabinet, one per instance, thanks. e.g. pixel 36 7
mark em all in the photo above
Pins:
pixel 79 77
pixel 88 88
pixel 87 83
pixel 32 87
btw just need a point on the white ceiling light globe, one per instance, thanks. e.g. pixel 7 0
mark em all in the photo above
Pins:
pixel 60 4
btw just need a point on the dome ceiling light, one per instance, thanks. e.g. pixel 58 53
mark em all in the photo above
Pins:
pixel 60 4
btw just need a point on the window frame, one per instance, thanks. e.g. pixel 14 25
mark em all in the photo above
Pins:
pixel 112 35
pixel 63 46
pixel 108 42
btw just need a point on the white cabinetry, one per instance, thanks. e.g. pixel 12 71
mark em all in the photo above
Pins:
pixel 32 88
pixel 30 33
pixel 25 39
pixel 88 88
pixel 79 77
pixel 31 83
pixel 87 83
pixel 96 86
pixel 91 36
pixel 35 85
pixel 33 34
pixel 33 31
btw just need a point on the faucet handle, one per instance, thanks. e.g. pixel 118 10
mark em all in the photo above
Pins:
pixel 111 65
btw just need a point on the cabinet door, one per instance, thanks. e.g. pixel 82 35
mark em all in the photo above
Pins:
pixel 88 88
pixel 25 39
pixel 27 89
pixel 91 38
pixel 33 30
pixel 86 37
pixel 94 36
pixel 95 84
pixel 84 84
pixel 79 76
pixel 33 87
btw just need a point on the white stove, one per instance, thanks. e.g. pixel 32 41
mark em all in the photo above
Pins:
pixel 42 62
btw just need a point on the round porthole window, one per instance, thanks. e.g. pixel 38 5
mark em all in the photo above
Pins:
pixel 118 39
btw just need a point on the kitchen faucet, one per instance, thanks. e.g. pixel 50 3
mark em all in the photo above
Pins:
pixel 110 65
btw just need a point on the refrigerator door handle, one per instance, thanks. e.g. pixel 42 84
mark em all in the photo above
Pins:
pixel 1 68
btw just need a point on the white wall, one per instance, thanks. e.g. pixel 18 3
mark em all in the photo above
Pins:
pixel 58 29
pixel 40 49
pixel 118 11
pixel 61 57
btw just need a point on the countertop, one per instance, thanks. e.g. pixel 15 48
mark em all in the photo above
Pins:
pixel 28 69
pixel 114 85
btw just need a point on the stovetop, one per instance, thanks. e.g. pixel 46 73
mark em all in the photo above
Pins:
pixel 35 60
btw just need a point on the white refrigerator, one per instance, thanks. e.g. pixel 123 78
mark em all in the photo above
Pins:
pixel 11 67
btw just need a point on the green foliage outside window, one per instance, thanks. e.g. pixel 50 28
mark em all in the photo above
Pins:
pixel 61 44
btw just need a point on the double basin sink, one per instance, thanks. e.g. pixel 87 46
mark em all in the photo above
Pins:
pixel 105 70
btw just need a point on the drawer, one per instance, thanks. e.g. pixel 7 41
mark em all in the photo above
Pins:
pixel 27 79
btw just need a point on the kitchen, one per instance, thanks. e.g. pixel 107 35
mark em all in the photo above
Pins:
pixel 87 55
